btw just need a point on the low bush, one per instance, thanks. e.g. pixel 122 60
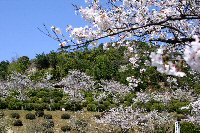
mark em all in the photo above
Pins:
pixel 13 105
pixel 81 122
pixel 39 113
pixel 29 106
pixel 91 107
pixel 73 105
pixel 48 124
pixel 30 116
pixel 101 108
pixel 66 128
pixel 17 123
pixel 40 106
pixel 3 104
pixel 65 116
pixel 49 130
pixel 187 127
pixel 47 116
pixel 15 115
pixel 53 107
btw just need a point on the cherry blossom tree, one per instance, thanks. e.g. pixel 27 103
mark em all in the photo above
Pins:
pixel 172 25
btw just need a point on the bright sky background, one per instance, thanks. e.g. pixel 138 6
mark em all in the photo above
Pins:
pixel 19 20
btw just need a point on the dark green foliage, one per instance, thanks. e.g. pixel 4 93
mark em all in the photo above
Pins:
pixel 42 94
pixel 66 128
pixel 29 106
pixel 15 105
pixel 106 104
pixel 175 105
pixel 187 127
pixel 4 70
pixel 73 105
pixel 40 106
pixel 53 59
pixel 15 115
pixel 48 124
pixel 31 93
pixel 91 107
pixel 3 104
pixel 30 116
pixel 39 113
pixel 53 107
pixel 47 116
pixel 65 116
pixel 17 123
pixel 56 93
pixel 197 88
pixel 22 64
pixel 101 107
pixel 42 61
pixel 158 106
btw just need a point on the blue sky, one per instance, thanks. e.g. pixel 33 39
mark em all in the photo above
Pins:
pixel 19 20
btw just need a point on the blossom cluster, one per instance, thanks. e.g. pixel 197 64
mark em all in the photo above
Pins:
pixel 168 22
pixel 168 68
pixel 165 97
pixel 20 83
pixel 192 54
pixel 127 118
pixel 133 82
pixel 115 87
pixel 75 81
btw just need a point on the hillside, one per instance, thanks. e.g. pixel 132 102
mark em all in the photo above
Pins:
pixel 110 88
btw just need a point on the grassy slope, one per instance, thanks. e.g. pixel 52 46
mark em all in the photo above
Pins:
pixel 58 122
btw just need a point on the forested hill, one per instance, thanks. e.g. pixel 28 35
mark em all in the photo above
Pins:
pixel 101 80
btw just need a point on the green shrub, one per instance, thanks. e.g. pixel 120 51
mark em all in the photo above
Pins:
pixel 49 130
pixel 15 105
pixel 4 65
pixel 89 99
pixel 66 128
pixel 197 88
pixel 56 93
pixel 53 106
pixel 57 99
pixel 81 124
pixel 17 123
pixel 106 104
pixel 39 113
pixel 101 107
pixel 187 127
pixel 42 61
pixel 47 116
pixel 30 116
pixel 29 106
pixel 40 106
pixel 3 104
pixel 127 103
pixel 91 107
pixel 15 115
pixel 65 116
pixel 42 94
pixel 73 105
pixel 48 124
pixel 158 106
pixel 175 105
